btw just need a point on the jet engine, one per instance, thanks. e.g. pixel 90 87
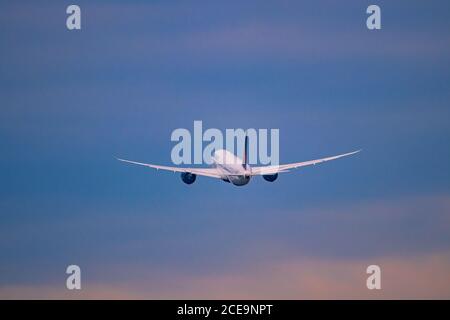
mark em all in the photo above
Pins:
pixel 270 177
pixel 188 178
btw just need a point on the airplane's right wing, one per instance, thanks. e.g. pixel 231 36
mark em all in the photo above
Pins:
pixel 268 170
pixel 207 172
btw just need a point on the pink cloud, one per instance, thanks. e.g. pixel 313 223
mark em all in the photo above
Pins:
pixel 424 277
pixel 417 274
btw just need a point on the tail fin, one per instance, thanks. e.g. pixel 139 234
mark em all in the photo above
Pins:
pixel 245 158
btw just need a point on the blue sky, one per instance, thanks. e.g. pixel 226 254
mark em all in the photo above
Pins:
pixel 72 100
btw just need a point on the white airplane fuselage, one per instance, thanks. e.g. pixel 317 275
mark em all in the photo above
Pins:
pixel 232 167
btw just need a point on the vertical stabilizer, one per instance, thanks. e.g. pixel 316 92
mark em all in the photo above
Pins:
pixel 245 157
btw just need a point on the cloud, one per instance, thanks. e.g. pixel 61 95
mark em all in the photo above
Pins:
pixel 142 36
pixel 298 42
pixel 421 277
pixel 310 253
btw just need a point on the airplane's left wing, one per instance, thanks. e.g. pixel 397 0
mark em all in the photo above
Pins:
pixel 207 172
pixel 268 170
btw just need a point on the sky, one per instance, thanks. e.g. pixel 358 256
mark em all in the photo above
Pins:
pixel 70 101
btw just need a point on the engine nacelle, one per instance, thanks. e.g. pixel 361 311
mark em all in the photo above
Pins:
pixel 188 178
pixel 270 177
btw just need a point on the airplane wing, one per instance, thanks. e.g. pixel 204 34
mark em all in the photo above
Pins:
pixel 268 170
pixel 207 172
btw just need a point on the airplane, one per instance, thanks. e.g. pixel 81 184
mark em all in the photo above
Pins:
pixel 232 169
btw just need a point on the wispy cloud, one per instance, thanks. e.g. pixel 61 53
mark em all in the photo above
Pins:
pixel 310 253
pixel 421 277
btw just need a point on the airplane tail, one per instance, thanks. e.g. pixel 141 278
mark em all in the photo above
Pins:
pixel 245 158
